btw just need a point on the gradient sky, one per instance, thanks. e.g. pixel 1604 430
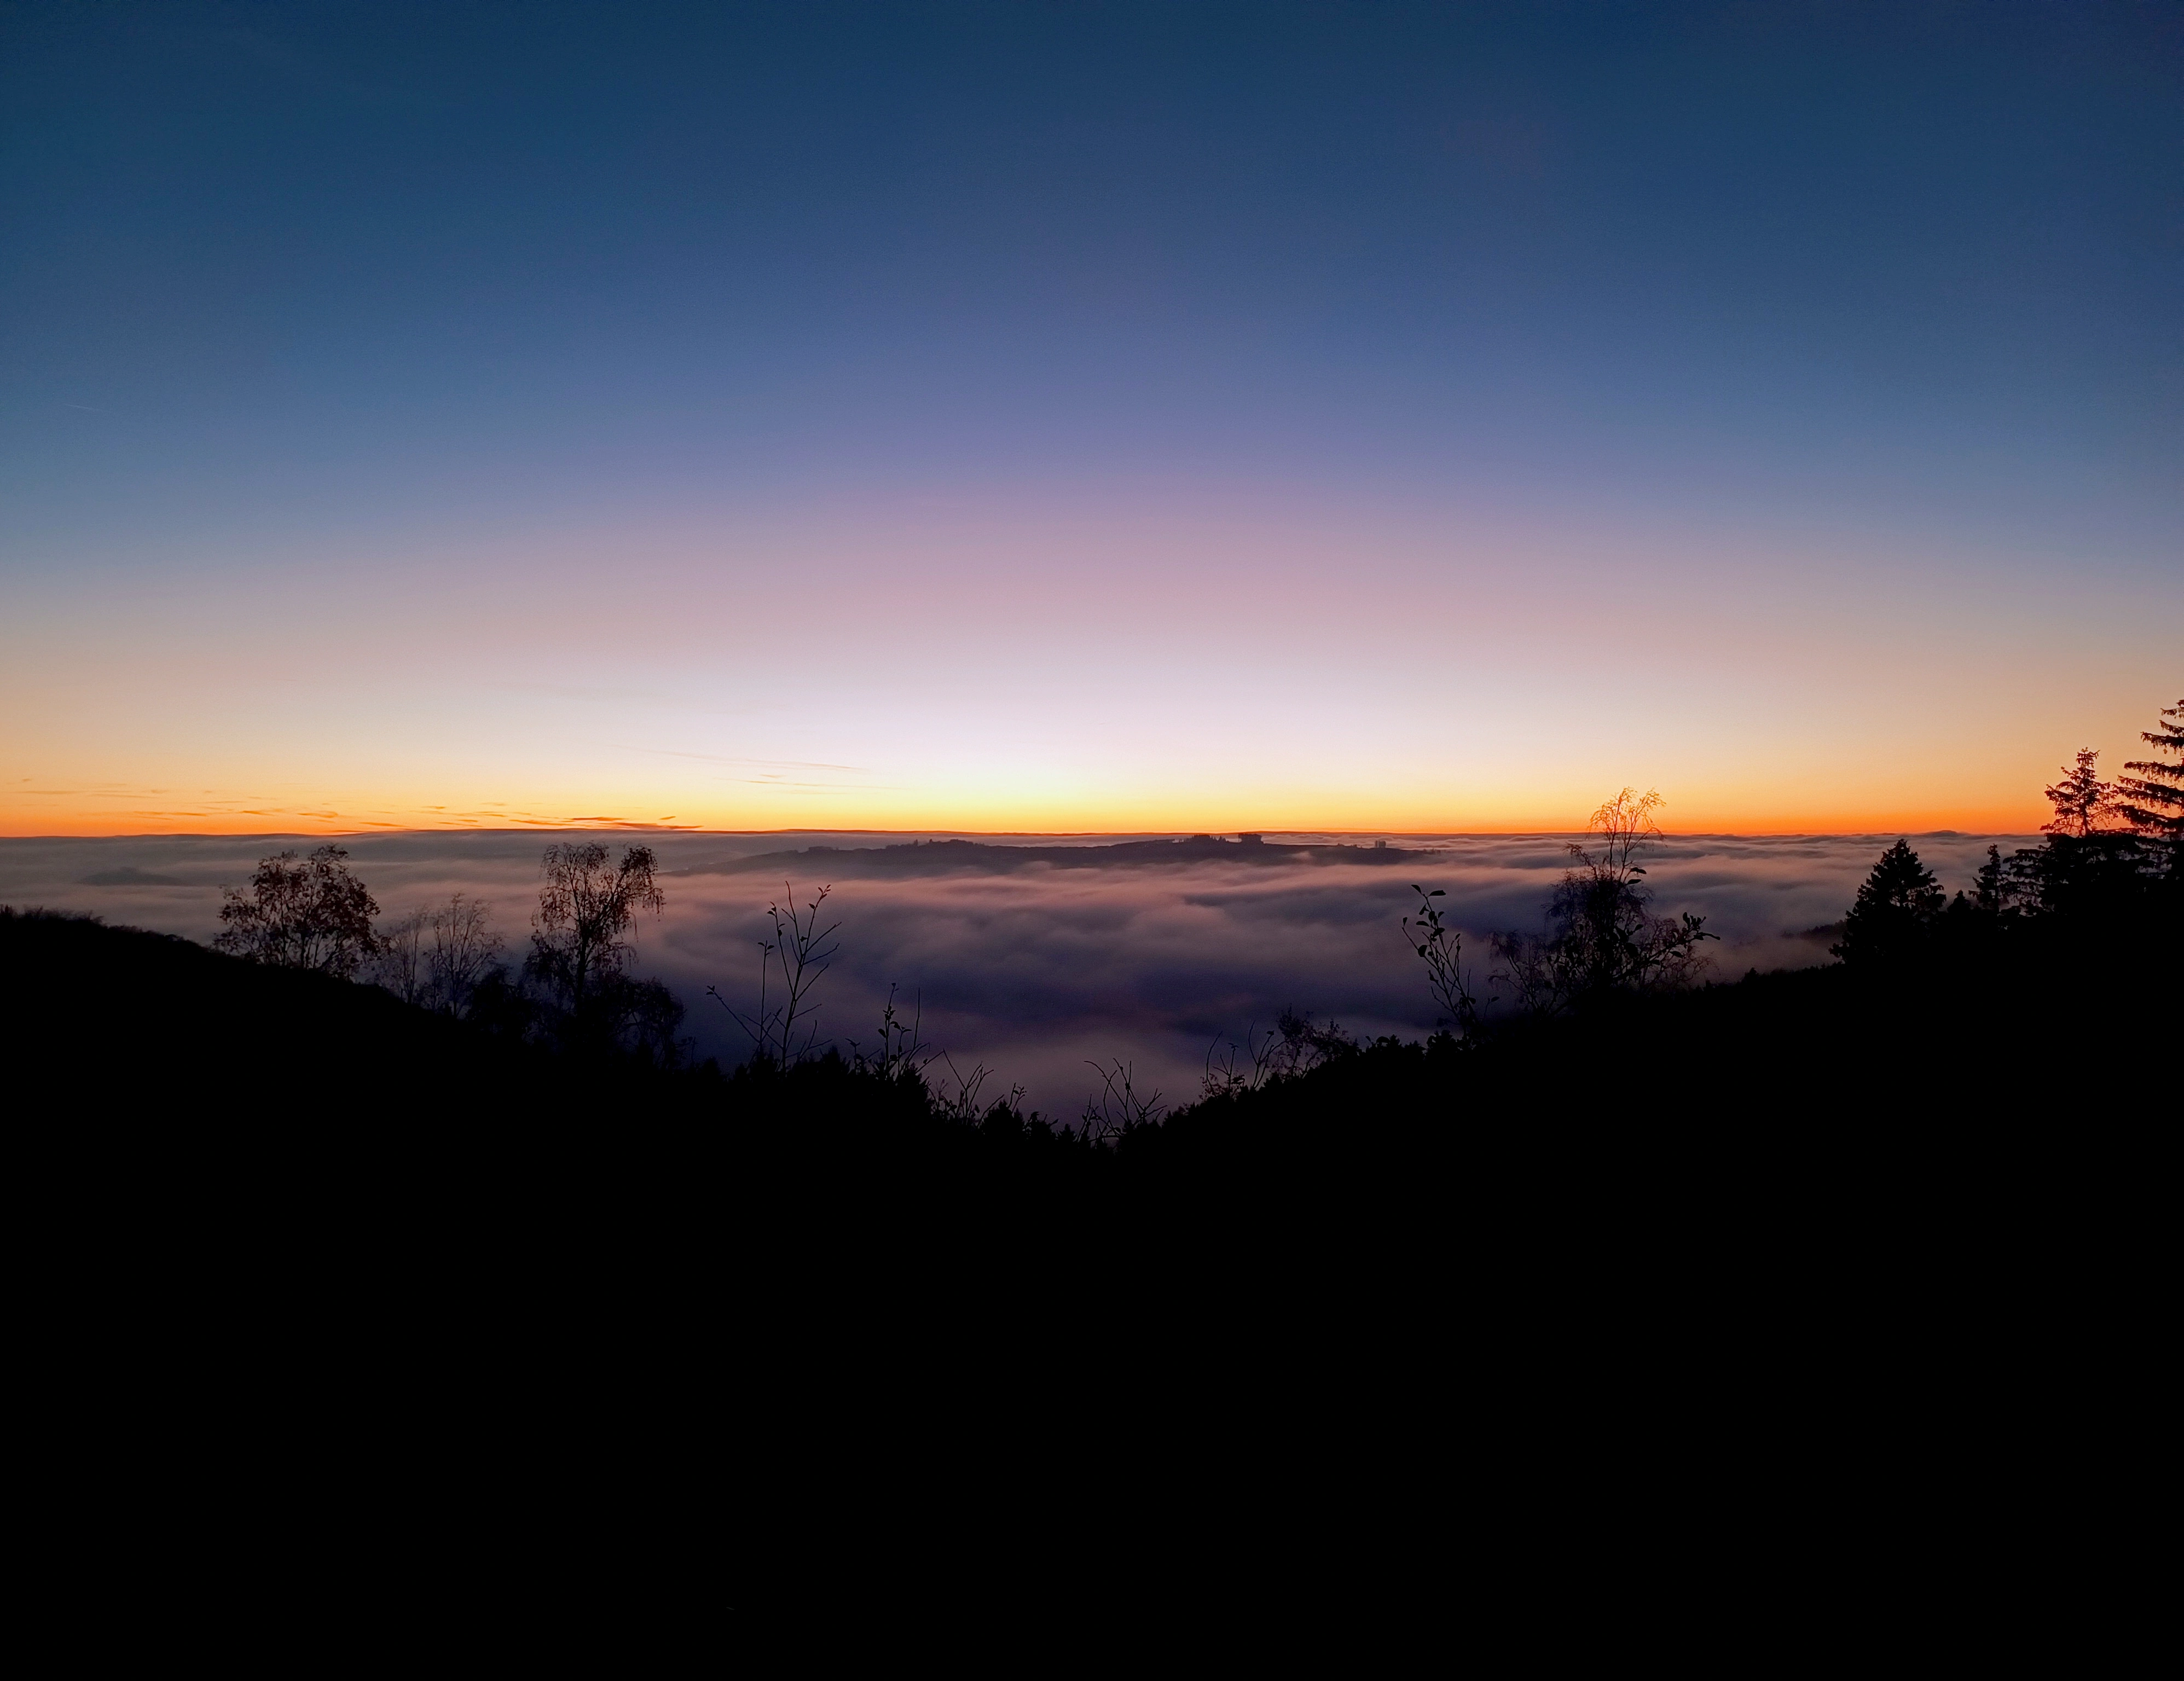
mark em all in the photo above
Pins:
pixel 1083 417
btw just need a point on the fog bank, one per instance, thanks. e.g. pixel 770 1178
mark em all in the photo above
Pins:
pixel 1033 954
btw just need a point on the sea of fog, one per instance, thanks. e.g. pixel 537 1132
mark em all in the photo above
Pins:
pixel 1029 963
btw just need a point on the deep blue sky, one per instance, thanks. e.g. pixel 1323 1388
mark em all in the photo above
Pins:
pixel 278 276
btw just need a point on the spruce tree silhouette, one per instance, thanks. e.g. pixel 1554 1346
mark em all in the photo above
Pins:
pixel 2153 802
pixel 2080 799
pixel 1894 911
pixel 2090 874
pixel 1992 888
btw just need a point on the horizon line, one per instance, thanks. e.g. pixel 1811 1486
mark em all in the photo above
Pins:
pixel 390 832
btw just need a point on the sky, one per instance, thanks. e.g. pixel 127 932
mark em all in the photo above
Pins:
pixel 1082 418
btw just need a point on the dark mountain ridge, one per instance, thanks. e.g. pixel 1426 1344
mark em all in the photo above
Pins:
pixel 923 858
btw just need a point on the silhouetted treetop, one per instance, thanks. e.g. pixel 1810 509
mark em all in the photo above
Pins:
pixel 2082 799
pixel 1993 887
pixel 312 913
pixel 579 955
pixel 1894 910
pixel 439 957
pixel 585 908
pixel 2153 801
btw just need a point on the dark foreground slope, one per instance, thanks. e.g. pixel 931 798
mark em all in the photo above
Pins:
pixel 298 1254
pixel 110 1025
pixel 161 1046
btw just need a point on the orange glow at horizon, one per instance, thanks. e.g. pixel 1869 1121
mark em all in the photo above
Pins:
pixel 50 811
pixel 1477 676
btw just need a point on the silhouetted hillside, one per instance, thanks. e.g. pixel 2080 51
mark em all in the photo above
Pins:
pixel 242 1168
pixel 117 1025
pixel 121 1024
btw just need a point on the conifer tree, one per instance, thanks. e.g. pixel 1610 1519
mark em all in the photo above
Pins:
pixel 2153 802
pixel 1894 910
pixel 2082 799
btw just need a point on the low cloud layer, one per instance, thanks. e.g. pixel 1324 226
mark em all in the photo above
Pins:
pixel 1033 959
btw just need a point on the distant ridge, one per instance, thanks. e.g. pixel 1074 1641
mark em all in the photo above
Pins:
pixel 921 858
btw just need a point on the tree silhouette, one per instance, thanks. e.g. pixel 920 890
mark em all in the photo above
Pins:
pixel 464 951
pixel 1993 887
pixel 579 954
pixel 399 965
pixel 2080 799
pixel 438 956
pixel 584 910
pixel 1894 910
pixel 2153 802
pixel 312 913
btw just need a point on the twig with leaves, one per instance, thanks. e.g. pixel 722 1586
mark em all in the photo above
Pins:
pixel 1441 948
pixel 803 952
